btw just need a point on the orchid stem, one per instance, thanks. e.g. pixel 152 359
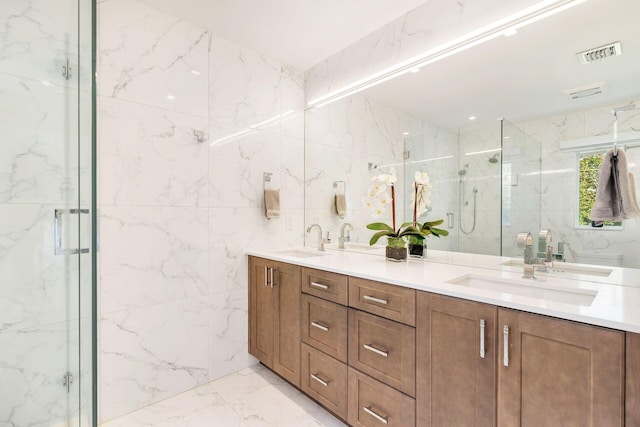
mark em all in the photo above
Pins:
pixel 393 207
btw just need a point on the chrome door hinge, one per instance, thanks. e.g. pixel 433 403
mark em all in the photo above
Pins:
pixel 66 70
pixel 67 380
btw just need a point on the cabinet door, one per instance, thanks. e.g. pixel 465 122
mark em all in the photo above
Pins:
pixel 558 373
pixel 286 362
pixel 261 311
pixel 456 362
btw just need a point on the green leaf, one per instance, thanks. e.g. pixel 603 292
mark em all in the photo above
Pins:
pixel 433 223
pixel 378 235
pixel 380 226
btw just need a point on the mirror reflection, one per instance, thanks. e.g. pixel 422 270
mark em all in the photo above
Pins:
pixel 511 134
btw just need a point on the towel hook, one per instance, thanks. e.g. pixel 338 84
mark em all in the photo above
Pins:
pixel 615 132
pixel 266 177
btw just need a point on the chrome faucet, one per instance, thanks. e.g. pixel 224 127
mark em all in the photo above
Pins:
pixel 320 240
pixel 525 241
pixel 344 235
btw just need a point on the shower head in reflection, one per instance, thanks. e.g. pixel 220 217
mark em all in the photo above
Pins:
pixel 462 172
pixel 494 158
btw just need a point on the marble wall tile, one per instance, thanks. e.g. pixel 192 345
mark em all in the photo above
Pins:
pixel 175 221
pixel 38 287
pixel 34 118
pixel 232 231
pixel 151 353
pixel 152 58
pixel 237 165
pixel 150 157
pixel 244 86
pixel 152 255
pixel 339 124
pixel 38 37
pixel 32 392
pixel 228 339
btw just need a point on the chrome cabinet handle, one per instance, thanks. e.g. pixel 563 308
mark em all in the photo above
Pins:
pixel 319 285
pixel 271 275
pixel 266 277
pixel 319 326
pixel 374 415
pixel 505 359
pixel 320 380
pixel 482 325
pixel 374 299
pixel 376 351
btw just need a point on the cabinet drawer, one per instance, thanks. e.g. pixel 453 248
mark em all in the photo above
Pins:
pixel 373 404
pixel 390 301
pixel 326 285
pixel 384 349
pixel 325 379
pixel 324 326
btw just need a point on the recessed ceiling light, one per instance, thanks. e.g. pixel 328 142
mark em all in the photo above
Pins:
pixel 405 133
pixel 414 70
pixel 472 117
pixel 171 97
pixel 195 72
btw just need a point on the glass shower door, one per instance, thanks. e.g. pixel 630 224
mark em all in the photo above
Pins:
pixel 45 213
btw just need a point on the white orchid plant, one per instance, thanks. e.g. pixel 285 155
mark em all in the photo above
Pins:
pixel 380 195
pixel 421 201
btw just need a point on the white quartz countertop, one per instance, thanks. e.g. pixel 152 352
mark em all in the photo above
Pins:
pixel 617 295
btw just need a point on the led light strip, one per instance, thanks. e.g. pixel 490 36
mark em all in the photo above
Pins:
pixel 505 26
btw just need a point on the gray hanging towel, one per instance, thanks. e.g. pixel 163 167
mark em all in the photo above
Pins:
pixel 614 198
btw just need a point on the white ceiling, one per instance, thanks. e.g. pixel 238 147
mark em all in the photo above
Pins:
pixel 300 33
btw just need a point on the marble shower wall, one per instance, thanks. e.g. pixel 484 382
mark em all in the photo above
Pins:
pixel 559 180
pixel 177 213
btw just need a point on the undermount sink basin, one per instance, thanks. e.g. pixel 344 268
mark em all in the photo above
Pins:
pixel 565 267
pixel 542 291
pixel 303 253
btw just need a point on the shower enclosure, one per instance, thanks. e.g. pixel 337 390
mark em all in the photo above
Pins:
pixel 485 185
pixel 47 281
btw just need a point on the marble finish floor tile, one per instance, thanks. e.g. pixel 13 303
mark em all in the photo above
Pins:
pixel 252 397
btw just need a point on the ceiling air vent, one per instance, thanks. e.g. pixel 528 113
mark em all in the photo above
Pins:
pixel 600 53
pixel 585 91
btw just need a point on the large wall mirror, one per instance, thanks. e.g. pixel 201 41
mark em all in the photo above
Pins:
pixel 510 132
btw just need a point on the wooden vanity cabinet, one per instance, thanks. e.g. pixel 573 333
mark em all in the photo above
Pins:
pixel 274 316
pixel 555 372
pixel 456 362
pixel 466 363
pixel 632 383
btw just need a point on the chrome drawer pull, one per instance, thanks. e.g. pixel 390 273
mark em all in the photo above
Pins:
pixel 319 326
pixel 482 325
pixel 266 277
pixel 320 380
pixel 376 351
pixel 374 415
pixel 271 276
pixel 505 360
pixel 374 299
pixel 319 285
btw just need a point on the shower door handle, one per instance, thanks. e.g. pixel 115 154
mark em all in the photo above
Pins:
pixel 58 229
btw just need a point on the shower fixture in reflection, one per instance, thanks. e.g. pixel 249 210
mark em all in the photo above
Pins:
pixel 462 174
pixel 495 158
